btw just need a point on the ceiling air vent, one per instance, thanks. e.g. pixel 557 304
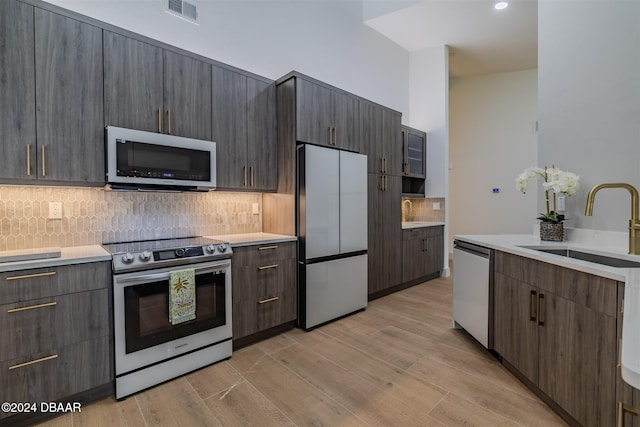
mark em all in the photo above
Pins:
pixel 183 9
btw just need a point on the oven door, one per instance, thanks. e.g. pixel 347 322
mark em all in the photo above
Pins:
pixel 143 333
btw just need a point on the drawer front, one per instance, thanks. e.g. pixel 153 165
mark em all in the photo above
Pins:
pixel 39 325
pixel 422 233
pixel 251 316
pixel 254 283
pixel 53 375
pixel 263 254
pixel 26 285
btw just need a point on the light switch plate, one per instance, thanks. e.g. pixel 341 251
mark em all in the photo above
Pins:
pixel 55 210
pixel 436 206
pixel 256 209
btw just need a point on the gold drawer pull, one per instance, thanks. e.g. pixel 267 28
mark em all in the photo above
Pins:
pixel 28 159
pixel 31 362
pixel 44 161
pixel 31 276
pixel 266 267
pixel 31 307
pixel 264 301
pixel 622 409
pixel 264 248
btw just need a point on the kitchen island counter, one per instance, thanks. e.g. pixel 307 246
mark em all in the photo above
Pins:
pixel 517 245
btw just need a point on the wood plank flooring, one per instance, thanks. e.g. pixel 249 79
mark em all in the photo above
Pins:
pixel 398 363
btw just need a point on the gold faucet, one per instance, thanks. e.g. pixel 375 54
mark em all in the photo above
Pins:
pixel 634 222
pixel 404 203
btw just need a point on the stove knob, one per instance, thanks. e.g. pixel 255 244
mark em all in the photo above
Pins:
pixel 127 258
pixel 145 256
pixel 222 247
pixel 179 252
pixel 210 249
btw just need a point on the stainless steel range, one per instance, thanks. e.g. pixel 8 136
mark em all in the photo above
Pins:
pixel 149 347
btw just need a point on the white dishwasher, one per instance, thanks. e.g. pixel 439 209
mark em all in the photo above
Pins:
pixel 472 299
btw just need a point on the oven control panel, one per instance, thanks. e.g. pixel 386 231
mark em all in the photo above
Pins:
pixel 145 259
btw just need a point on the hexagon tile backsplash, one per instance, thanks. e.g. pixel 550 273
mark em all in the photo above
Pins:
pixel 92 216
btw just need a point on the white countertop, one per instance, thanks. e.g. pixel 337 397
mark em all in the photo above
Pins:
pixel 630 352
pixel 420 224
pixel 72 255
pixel 247 239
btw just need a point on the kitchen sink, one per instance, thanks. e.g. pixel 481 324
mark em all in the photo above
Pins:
pixel 586 256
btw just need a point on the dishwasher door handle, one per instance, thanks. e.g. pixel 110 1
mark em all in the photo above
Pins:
pixel 472 249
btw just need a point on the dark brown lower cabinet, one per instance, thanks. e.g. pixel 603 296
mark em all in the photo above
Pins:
pixel 557 328
pixel 55 330
pixel 422 253
pixel 264 290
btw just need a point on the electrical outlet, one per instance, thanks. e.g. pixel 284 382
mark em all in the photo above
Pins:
pixel 55 210
pixel 436 206
pixel 561 204
pixel 256 209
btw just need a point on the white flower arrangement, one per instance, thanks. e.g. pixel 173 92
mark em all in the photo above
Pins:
pixel 556 181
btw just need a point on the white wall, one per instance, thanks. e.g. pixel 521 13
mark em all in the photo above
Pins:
pixel 429 111
pixel 324 39
pixel 428 106
pixel 589 101
pixel 493 139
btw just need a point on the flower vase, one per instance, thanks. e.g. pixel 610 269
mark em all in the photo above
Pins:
pixel 552 232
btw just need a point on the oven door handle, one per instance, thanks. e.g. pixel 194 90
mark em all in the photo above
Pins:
pixel 165 275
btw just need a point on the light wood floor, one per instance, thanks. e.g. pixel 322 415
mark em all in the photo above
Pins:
pixel 398 363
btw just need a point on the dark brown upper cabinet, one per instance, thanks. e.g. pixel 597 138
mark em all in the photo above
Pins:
pixel 244 129
pixel 154 89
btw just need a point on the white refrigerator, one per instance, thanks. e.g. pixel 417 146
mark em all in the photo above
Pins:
pixel 331 221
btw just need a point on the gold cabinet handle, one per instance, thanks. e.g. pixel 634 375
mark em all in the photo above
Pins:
pixel 251 177
pixel 335 135
pixel 44 161
pixel 31 276
pixel 264 248
pixel 28 159
pixel 540 321
pixel 169 122
pixel 425 243
pixel 266 267
pixel 622 409
pixel 32 307
pixel 244 173
pixel 266 300
pixel 532 306
pixel 159 120
pixel 619 364
pixel 329 129
pixel 32 362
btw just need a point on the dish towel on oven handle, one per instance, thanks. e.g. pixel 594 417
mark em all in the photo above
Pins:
pixel 182 295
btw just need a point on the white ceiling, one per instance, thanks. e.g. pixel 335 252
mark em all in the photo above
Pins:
pixel 482 40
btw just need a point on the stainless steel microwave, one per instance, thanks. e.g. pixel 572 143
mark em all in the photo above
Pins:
pixel 148 160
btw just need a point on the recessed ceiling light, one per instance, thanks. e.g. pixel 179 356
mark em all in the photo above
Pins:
pixel 501 5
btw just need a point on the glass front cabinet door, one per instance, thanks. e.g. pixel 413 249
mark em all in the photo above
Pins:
pixel 414 145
